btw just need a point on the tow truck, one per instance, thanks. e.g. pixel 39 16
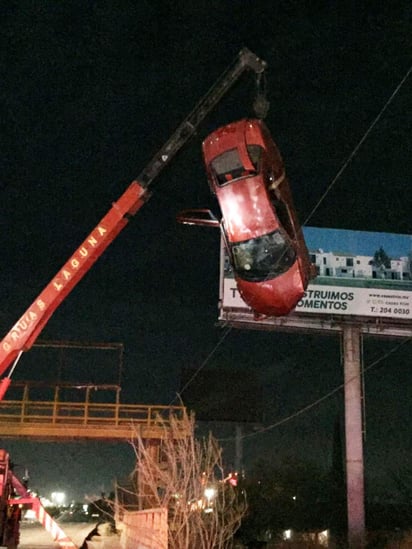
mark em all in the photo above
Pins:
pixel 14 497
pixel 26 330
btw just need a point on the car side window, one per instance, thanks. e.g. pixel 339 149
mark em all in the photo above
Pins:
pixel 255 155
pixel 284 216
pixel 228 166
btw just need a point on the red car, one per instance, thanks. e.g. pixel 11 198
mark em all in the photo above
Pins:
pixel 264 239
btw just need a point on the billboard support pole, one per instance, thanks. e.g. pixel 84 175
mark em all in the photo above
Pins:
pixel 353 435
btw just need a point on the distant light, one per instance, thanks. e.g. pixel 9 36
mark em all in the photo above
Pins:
pixel 209 493
pixel 232 478
pixel 324 537
pixel 45 501
pixel 30 514
pixel 58 498
pixel 287 534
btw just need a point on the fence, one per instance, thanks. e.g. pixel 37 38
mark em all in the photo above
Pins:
pixel 73 411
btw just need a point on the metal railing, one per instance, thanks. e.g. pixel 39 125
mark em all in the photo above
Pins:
pixel 81 411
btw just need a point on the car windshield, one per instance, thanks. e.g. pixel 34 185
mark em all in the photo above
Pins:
pixel 228 166
pixel 263 258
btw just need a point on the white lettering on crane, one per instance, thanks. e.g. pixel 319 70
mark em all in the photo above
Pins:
pixel 74 263
pixel 23 325
pixel 77 260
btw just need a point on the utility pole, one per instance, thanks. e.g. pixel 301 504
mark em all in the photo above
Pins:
pixel 353 435
pixel 239 448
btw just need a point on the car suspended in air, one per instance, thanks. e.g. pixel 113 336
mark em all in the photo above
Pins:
pixel 261 231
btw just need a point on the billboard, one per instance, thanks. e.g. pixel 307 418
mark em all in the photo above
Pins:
pixel 361 274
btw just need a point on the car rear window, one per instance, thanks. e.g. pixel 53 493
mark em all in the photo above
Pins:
pixel 228 166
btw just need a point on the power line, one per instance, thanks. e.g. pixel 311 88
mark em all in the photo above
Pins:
pixel 358 146
pixel 319 400
pixel 203 364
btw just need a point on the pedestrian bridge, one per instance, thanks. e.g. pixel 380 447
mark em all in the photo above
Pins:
pixel 72 412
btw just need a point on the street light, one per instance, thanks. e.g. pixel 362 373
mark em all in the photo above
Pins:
pixel 209 494
pixel 58 498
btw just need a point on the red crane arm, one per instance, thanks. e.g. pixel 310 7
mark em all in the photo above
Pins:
pixel 26 330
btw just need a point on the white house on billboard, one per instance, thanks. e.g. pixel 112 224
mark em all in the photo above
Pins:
pixel 346 265
pixel 401 269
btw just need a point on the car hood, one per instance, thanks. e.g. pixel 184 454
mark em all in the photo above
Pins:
pixel 276 296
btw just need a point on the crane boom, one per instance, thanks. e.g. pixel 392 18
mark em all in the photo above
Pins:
pixel 26 330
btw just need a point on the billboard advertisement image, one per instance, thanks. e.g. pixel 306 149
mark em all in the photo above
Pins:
pixel 358 273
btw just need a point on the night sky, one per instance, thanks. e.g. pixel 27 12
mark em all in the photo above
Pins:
pixel 89 92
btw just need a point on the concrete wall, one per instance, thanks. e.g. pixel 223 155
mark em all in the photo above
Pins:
pixel 143 529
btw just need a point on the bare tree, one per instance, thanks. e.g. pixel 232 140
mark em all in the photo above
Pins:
pixel 185 476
